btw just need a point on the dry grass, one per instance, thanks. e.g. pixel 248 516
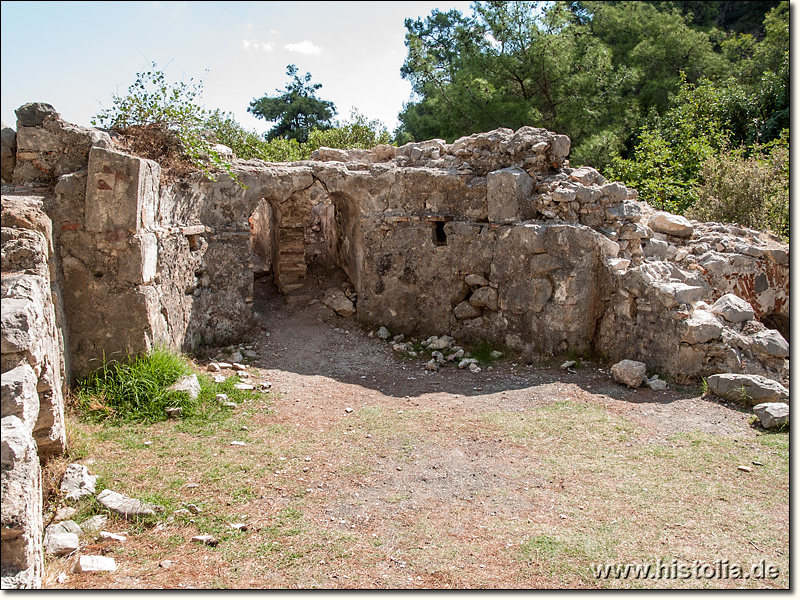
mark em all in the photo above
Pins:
pixel 395 495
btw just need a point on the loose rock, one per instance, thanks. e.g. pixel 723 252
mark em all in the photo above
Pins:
pixel 125 506
pixel 670 224
pixel 92 564
pixel 113 537
pixel 772 414
pixel 60 544
pixel 94 523
pixel 747 389
pixel 77 482
pixel 188 384
pixel 64 513
pixel 339 303
pixel 173 412
pixel 629 372
pixel 733 309
pixel 208 540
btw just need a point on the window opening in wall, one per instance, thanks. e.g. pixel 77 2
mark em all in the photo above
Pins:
pixel 439 236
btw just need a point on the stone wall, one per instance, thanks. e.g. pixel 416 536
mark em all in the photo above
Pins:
pixel 493 237
pixel 33 377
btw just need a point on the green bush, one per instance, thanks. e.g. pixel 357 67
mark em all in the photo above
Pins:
pixel 154 106
pixel 672 149
pixel 358 132
pixel 752 191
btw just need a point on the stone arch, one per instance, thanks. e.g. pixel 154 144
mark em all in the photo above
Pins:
pixel 348 240
pixel 296 228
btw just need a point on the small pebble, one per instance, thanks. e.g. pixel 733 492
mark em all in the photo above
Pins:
pixel 745 469
pixel 208 540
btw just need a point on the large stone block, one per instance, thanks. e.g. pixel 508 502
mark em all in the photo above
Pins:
pixel 747 389
pixel 770 344
pixel 139 263
pixel 19 396
pixel 629 372
pixel 507 192
pixel 121 191
pixel 702 327
pixel 733 309
pixel 22 325
pixel 21 513
pixel 8 152
pixel 670 224
pixel 772 414
pixel 33 114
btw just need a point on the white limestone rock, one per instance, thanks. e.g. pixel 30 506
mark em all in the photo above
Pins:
pixel 77 482
pixel 670 224
pixel 188 384
pixel 747 389
pixel 93 564
pixel 125 506
pixel 772 414
pixel 732 308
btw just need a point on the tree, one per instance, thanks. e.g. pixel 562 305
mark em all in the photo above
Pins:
pixel 509 64
pixel 297 110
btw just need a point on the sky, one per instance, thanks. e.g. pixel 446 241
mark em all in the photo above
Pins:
pixel 75 55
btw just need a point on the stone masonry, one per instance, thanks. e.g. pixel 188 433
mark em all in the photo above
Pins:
pixel 493 237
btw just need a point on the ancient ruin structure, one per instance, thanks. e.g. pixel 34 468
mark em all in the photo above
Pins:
pixel 493 237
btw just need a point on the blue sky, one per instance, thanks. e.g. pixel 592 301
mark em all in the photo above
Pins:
pixel 74 55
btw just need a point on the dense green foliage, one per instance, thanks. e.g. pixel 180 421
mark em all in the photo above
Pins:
pixel 296 110
pixel 649 92
pixel 675 98
pixel 752 190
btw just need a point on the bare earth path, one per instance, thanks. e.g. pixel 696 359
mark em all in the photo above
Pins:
pixel 366 471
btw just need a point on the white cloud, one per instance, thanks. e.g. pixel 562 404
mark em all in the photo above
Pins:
pixel 263 46
pixel 491 39
pixel 304 47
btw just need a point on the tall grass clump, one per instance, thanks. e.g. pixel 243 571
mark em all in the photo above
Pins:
pixel 135 390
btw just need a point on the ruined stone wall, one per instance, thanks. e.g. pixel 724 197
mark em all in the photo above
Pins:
pixel 493 237
pixel 33 381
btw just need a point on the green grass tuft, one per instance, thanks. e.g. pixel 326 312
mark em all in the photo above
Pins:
pixel 134 390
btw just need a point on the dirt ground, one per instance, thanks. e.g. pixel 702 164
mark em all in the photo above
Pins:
pixel 414 474
pixel 323 364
